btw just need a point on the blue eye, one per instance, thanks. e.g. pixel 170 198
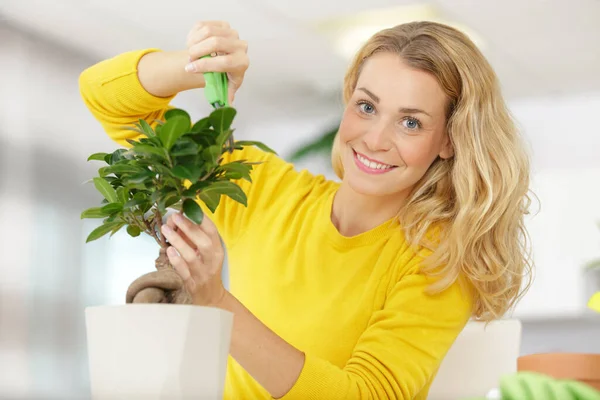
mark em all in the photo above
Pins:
pixel 411 123
pixel 366 107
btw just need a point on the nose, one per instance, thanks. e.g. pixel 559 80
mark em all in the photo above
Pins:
pixel 377 138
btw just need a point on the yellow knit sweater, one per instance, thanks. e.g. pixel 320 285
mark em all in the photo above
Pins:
pixel 354 305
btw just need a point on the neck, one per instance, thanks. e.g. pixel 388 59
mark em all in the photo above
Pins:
pixel 354 213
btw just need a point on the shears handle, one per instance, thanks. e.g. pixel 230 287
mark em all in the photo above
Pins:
pixel 215 90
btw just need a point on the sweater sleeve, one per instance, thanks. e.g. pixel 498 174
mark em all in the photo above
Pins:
pixel 113 93
pixel 398 354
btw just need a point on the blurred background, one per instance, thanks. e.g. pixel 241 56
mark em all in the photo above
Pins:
pixel 547 56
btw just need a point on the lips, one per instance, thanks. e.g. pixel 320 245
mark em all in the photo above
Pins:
pixel 371 166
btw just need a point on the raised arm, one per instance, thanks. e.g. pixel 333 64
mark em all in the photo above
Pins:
pixel 140 84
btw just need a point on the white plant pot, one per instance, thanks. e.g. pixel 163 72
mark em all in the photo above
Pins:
pixel 157 351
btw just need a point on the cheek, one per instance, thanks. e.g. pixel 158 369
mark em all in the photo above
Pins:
pixel 350 127
pixel 416 152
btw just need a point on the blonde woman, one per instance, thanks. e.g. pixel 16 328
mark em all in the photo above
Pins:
pixel 351 290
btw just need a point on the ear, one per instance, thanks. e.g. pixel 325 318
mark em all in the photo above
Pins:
pixel 447 150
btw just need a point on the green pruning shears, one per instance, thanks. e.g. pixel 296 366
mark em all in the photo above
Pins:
pixel 215 92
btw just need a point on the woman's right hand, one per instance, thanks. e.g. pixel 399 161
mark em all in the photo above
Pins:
pixel 218 38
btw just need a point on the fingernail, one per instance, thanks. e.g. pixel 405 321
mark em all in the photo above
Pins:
pixel 177 218
pixel 172 252
pixel 166 229
pixel 191 67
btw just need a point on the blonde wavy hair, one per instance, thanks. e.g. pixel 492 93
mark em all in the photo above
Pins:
pixel 476 200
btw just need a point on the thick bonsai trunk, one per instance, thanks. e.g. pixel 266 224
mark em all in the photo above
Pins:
pixel 161 286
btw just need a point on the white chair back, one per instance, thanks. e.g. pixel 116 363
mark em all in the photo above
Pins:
pixel 477 359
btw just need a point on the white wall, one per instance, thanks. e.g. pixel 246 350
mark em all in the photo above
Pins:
pixel 565 140
pixel 49 274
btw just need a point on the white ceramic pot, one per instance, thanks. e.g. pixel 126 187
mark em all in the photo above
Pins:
pixel 157 351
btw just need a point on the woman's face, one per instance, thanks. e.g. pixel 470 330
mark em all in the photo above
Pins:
pixel 393 127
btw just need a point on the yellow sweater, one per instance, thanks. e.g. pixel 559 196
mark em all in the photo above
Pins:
pixel 354 305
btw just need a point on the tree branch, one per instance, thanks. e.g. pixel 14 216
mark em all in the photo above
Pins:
pixel 152 232
pixel 158 223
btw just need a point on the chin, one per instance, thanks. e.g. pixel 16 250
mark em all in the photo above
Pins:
pixel 370 187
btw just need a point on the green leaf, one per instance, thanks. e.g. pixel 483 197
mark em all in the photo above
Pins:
pixel 192 190
pixel 211 200
pixel 138 179
pixel 133 203
pixel 237 170
pixel 162 170
pixel 152 141
pixel 102 230
pixel 106 190
pixel 122 195
pixel 229 189
pixel 118 155
pixel 193 211
pixel 173 112
pixel 190 172
pixel 321 145
pixel 117 227
pixel 138 199
pixel 204 139
pixel 223 136
pixel 121 169
pixel 221 118
pixel 173 129
pixel 184 147
pixel 146 128
pixel 211 154
pixel 112 208
pixel 140 196
pixel 260 145
pixel 200 125
pixel 168 201
pixel 143 149
pixel 133 231
pixel 156 195
pixel 97 157
pixel 94 212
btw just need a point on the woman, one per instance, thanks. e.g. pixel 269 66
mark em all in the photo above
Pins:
pixel 354 289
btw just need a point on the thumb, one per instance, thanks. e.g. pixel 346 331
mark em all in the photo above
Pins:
pixel 231 89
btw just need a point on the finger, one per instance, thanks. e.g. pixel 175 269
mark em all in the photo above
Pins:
pixel 227 63
pixel 178 263
pixel 231 89
pixel 210 229
pixel 198 35
pixel 171 224
pixel 201 240
pixel 182 269
pixel 214 44
pixel 188 253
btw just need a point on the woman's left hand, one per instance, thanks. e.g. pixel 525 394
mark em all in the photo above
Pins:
pixel 200 258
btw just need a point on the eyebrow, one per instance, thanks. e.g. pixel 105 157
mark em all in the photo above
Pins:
pixel 405 110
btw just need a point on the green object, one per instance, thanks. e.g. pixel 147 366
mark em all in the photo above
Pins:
pixel 527 385
pixel 168 166
pixel 534 386
pixel 321 146
pixel 215 89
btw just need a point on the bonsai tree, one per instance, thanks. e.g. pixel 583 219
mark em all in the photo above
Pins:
pixel 170 167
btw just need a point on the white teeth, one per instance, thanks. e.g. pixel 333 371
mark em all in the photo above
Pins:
pixel 372 164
